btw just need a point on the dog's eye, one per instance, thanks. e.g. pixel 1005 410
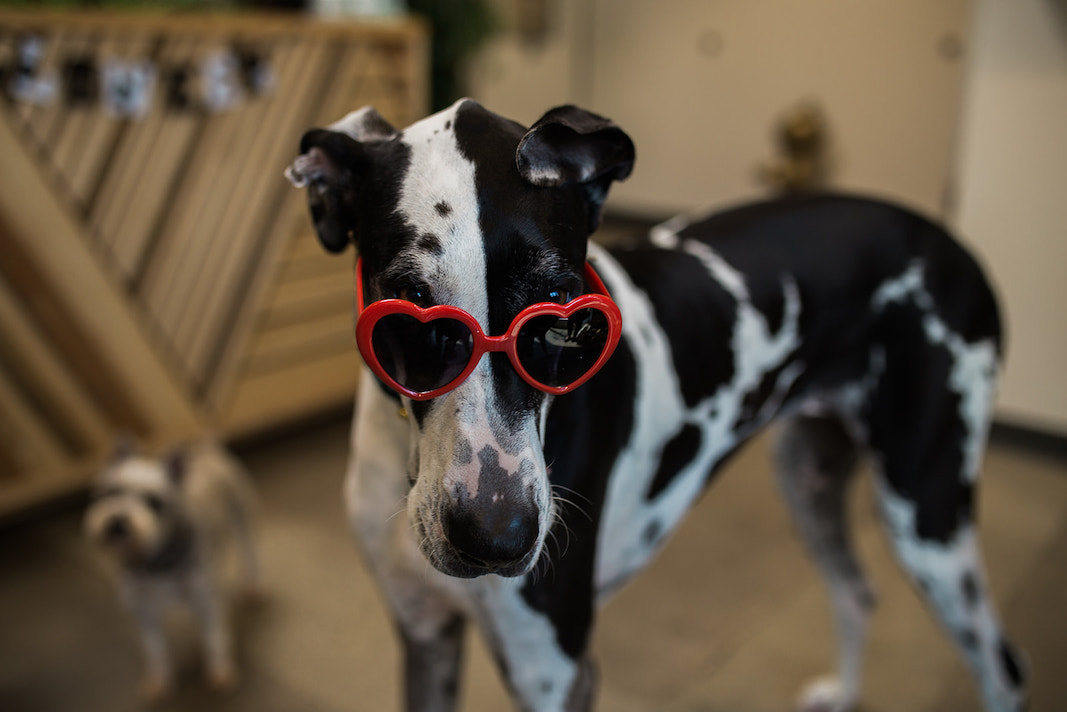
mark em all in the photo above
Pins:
pixel 564 292
pixel 154 503
pixel 414 293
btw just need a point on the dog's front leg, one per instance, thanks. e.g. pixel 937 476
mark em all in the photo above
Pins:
pixel 145 603
pixel 210 609
pixel 431 626
pixel 432 666
pixel 424 604
pixel 542 676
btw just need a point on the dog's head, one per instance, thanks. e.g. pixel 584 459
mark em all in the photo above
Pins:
pixel 137 512
pixel 468 209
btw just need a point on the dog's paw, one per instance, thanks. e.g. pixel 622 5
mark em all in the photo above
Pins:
pixel 825 694
pixel 223 677
pixel 156 688
pixel 250 593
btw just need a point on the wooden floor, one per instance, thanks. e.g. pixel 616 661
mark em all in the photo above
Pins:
pixel 730 618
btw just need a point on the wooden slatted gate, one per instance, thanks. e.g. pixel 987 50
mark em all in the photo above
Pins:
pixel 157 273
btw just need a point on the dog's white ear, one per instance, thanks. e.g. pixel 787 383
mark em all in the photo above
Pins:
pixel 569 146
pixel 332 165
pixel 365 124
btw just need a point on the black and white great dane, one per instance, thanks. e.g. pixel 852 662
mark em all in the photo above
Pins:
pixel 857 325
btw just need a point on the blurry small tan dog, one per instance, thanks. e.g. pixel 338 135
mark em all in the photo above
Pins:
pixel 167 522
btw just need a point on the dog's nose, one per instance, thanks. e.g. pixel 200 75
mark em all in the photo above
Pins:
pixel 116 530
pixel 491 537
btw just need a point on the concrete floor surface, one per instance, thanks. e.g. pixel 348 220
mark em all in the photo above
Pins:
pixel 731 618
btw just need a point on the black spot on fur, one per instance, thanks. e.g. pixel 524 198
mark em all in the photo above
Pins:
pixel 971 593
pixel 678 453
pixel 1010 663
pixel 546 686
pixel 428 242
pixel 923 584
pixel 939 519
pixel 443 209
pixel 968 638
pixel 491 471
pixel 652 532
pixel 464 453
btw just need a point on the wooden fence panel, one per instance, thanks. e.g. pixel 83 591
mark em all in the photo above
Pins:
pixel 157 273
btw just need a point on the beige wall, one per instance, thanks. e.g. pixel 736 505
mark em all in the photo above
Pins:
pixel 699 84
pixel 1013 193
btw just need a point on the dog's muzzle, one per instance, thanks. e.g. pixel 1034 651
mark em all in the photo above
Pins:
pixel 500 538
pixel 116 531
pixel 470 537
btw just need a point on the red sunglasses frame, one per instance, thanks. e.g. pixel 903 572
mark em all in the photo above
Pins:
pixel 367 316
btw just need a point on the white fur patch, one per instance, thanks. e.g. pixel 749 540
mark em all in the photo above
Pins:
pixel 137 473
pixel 439 173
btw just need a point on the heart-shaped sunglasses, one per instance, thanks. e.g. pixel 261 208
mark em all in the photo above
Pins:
pixel 424 352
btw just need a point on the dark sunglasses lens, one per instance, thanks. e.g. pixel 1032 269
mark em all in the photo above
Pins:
pixel 557 352
pixel 422 356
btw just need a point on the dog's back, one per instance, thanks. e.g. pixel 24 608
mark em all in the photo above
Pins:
pixel 217 488
pixel 846 257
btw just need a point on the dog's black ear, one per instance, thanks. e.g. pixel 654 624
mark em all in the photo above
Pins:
pixel 570 146
pixel 123 448
pixel 332 165
pixel 176 464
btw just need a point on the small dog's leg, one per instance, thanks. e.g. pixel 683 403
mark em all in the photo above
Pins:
pixel 242 503
pixel 217 642
pixel 158 680
pixel 816 460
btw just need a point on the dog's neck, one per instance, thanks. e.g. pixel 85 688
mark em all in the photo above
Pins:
pixel 176 552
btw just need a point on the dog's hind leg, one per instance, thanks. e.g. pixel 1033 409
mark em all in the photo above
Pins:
pixel 927 421
pixel 950 576
pixel 816 460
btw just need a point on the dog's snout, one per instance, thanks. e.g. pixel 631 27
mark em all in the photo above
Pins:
pixel 492 538
pixel 117 530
